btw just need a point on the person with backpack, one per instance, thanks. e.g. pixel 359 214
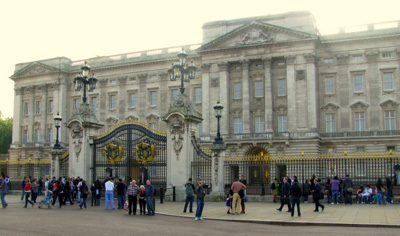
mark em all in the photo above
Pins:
pixel 189 190
pixel 274 187
pixel 295 193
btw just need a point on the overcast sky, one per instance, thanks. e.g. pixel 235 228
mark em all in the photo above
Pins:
pixel 36 30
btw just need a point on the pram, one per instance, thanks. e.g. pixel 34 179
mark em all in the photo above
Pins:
pixel 47 200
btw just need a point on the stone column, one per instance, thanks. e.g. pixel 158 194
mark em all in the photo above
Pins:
pixel 246 96
pixel 344 92
pixel 122 97
pixel 18 115
pixel 312 93
pixel 63 99
pixel 31 129
pixel 291 93
pixel 206 99
pixel 375 90
pixel 224 96
pixel 268 95
pixel 217 193
pixel 43 137
pixel 55 162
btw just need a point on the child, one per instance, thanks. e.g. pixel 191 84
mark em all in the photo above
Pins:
pixel 229 203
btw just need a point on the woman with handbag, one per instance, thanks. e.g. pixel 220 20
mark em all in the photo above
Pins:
pixel 84 193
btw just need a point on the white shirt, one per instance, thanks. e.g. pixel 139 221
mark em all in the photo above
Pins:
pixel 109 186
pixel 367 192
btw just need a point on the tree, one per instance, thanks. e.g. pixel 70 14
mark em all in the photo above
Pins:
pixel 5 134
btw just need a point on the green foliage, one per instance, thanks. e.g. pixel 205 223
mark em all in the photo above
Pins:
pixel 5 133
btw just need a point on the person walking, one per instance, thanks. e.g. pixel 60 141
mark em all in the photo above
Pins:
pixel 120 194
pixel 295 194
pixel 3 191
pixel 109 193
pixel 84 194
pixel 23 188
pixel 34 190
pixel 274 189
pixel 189 190
pixel 68 192
pixel 200 201
pixel 306 190
pixel 27 189
pixel 131 198
pixel 142 200
pixel 149 194
pixel 285 195
pixel 335 190
pixel 348 190
pixel 236 187
pixel 317 195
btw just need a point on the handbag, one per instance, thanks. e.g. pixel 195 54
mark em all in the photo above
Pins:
pixel 349 190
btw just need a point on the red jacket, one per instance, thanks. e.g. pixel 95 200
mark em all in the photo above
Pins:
pixel 27 187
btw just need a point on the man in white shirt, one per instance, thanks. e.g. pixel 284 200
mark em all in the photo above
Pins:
pixel 109 193
pixel 367 194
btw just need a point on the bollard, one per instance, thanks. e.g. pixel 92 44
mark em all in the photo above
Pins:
pixel 161 196
pixel 173 194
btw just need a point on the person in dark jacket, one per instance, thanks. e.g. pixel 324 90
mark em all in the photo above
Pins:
pixel 200 201
pixel 84 193
pixel 93 189
pixel 317 195
pixel 328 190
pixel 295 194
pixel 68 192
pixel 285 195
pixel 98 192
pixel 149 198
pixel 348 190
pixel 120 194
pixel 389 190
pixel 306 190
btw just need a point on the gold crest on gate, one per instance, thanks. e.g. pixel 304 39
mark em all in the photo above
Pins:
pixel 113 152
pixel 145 151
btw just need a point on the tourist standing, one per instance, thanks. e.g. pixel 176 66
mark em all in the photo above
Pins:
pixel 274 188
pixel 142 200
pixel 120 194
pixel 328 190
pixel 335 190
pixel 189 190
pixel 389 190
pixel 68 192
pixel 98 192
pixel 84 193
pixel 348 190
pixel 40 182
pixel 23 188
pixel 285 195
pixel 132 193
pixel 93 190
pixel 60 191
pixel 306 190
pixel 149 193
pixel 109 193
pixel 35 190
pixel 295 193
pixel 27 189
pixel 380 188
pixel 3 191
pixel 236 187
pixel 317 195
pixel 200 201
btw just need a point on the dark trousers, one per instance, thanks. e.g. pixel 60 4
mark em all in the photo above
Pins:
pixel 61 199
pixel 55 198
pixel 93 198
pixel 296 201
pixel 68 197
pixel 132 203
pixel 142 205
pixel 27 199
pixel 285 201
pixel 317 204
pixel 189 199
pixel 34 197
pixel 347 197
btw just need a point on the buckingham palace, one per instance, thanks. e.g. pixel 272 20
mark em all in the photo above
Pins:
pixel 286 89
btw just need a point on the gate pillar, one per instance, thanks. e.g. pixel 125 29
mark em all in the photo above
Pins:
pixel 218 155
pixel 182 120
pixel 55 162
pixel 82 126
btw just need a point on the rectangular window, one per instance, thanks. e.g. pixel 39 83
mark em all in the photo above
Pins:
pixel 113 103
pixel 393 148
pixel 50 108
pixel 360 149
pixel 76 103
pixel 26 108
pixel 259 124
pixel 37 136
pixel 132 100
pixel 329 85
pixel 281 87
pixel 330 123
pixel 38 107
pixel 359 118
pixel 357 58
pixel 390 121
pixel 113 81
pixel 49 135
pixel 174 94
pixel 94 103
pixel 153 125
pixel 153 98
pixel 388 83
pixel 25 135
pixel 197 95
pixel 259 89
pixel 282 123
pixel 199 129
pixel 237 126
pixel 328 60
pixel 237 91
pixel 387 54
pixel 358 83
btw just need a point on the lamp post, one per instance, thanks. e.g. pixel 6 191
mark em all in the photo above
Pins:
pixel 180 69
pixel 218 113
pixel 57 122
pixel 82 80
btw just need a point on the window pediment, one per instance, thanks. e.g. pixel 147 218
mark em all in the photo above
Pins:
pixel 359 105
pixel 330 106
pixel 389 104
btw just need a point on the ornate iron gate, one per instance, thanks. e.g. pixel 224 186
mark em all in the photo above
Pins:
pixel 64 164
pixel 201 164
pixel 131 150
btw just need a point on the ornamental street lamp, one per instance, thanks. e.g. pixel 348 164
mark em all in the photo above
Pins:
pixel 82 80
pixel 57 122
pixel 218 113
pixel 180 69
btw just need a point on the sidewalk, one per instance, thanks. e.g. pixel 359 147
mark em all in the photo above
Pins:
pixel 258 212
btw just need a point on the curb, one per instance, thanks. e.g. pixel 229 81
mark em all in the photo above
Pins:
pixel 288 223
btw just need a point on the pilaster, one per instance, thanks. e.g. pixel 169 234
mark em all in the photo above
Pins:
pixel 246 96
pixel 268 95
pixel 205 68
pixel 312 99
pixel 291 93
pixel 224 96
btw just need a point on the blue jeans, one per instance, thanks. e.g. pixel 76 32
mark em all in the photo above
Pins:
pixel 109 198
pixel 3 200
pixel 189 199
pixel 335 196
pixel 23 194
pixel 120 201
pixel 381 197
pixel 97 202
pixel 328 196
pixel 79 196
pixel 306 198
pixel 150 206
pixel 200 206
pixel 83 202
pixel 388 196
pixel 365 198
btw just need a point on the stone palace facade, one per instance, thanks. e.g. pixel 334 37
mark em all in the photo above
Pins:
pixel 285 89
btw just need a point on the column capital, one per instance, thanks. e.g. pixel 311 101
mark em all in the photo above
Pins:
pixel 103 82
pixel 163 75
pixel 342 59
pixel 206 67
pixel 245 64
pixel 290 59
pixel 372 56
pixel 122 80
pixel 267 61
pixel 18 90
pixel 142 77
pixel 223 66
pixel 310 57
